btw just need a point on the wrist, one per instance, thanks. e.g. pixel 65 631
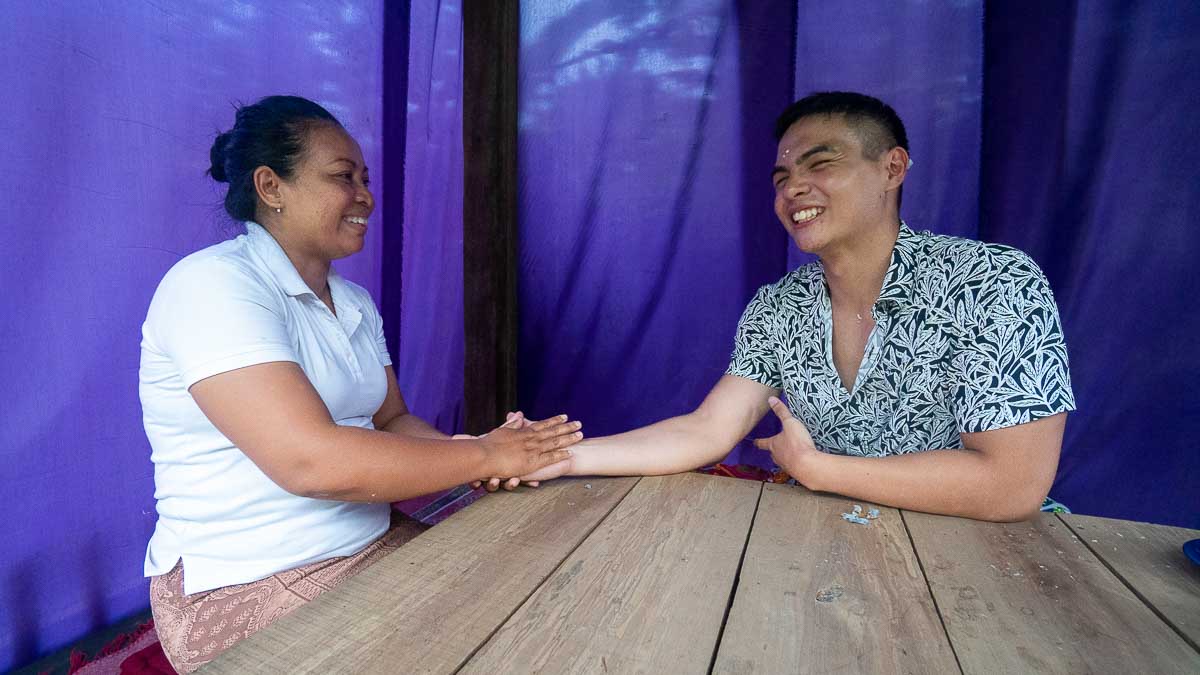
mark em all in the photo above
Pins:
pixel 580 462
pixel 484 461
pixel 812 470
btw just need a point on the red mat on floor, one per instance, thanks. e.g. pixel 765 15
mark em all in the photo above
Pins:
pixel 136 653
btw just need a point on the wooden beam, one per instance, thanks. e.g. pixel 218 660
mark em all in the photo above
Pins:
pixel 491 32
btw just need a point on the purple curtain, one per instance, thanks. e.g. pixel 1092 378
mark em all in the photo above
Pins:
pixel 646 217
pixel 427 333
pixel 109 113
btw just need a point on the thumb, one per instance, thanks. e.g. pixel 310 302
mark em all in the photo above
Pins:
pixel 781 410
pixel 764 443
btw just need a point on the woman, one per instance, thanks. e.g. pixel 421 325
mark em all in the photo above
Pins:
pixel 279 435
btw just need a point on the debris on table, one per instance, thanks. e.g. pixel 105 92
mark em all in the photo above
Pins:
pixel 856 515
pixel 829 594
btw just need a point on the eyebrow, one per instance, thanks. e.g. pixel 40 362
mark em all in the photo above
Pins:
pixel 816 149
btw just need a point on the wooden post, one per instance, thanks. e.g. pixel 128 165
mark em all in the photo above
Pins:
pixel 491 32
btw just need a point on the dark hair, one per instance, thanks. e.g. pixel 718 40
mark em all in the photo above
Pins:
pixel 269 133
pixel 877 125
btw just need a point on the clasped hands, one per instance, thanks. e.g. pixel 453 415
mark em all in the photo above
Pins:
pixel 530 451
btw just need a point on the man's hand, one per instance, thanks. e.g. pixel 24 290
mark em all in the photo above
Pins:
pixel 792 448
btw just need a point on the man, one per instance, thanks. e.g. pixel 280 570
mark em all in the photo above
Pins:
pixel 923 372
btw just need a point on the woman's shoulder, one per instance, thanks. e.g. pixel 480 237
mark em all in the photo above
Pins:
pixel 225 262
pixel 223 270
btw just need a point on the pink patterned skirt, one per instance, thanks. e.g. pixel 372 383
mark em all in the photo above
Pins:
pixel 195 628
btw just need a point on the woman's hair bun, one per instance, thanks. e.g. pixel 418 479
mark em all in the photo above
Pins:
pixel 270 133
pixel 217 157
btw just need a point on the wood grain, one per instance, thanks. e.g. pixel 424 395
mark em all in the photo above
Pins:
pixel 646 593
pixel 426 607
pixel 1150 559
pixel 818 594
pixel 1030 597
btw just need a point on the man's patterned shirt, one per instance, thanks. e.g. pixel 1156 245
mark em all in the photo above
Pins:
pixel 967 338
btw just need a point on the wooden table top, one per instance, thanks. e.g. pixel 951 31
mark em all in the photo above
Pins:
pixel 695 574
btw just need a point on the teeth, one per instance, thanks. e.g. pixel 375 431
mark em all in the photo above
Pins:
pixel 357 220
pixel 807 214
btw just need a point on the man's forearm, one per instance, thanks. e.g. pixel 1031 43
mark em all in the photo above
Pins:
pixel 952 482
pixel 409 424
pixel 671 446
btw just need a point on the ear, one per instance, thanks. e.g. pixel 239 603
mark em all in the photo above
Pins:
pixel 267 184
pixel 896 165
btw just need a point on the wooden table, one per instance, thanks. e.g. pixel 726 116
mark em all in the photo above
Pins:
pixel 695 574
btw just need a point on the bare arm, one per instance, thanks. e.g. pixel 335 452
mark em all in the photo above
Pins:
pixel 1000 475
pixel 272 413
pixel 395 417
pixel 681 443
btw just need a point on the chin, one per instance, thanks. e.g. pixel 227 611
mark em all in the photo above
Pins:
pixel 806 242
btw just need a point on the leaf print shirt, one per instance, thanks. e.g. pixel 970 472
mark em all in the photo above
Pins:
pixel 967 339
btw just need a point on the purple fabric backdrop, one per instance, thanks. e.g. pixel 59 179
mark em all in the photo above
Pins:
pixel 646 217
pixel 429 340
pixel 109 112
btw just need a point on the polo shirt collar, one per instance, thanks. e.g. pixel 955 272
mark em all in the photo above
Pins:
pixel 280 267
pixel 898 282
pixel 276 261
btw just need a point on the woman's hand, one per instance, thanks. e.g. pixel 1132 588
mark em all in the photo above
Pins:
pixel 521 448
pixel 514 420
pixel 546 473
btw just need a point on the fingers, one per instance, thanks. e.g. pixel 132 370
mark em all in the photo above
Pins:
pixel 553 457
pixel 511 484
pixel 781 410
pixel 475 484
pixel 514 420
pixel 565 430
pixel 493 485
pixel 548 423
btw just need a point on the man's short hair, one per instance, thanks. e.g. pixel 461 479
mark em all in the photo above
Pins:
pixel 876 124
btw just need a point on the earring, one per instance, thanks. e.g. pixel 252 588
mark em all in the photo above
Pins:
pixel 278 209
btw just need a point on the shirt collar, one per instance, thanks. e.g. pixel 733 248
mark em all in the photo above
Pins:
pixel 898 282
pixel 276 261
pixel 280 267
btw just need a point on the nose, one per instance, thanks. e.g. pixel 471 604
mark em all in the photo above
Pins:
pixel 797 185
pixel 364 197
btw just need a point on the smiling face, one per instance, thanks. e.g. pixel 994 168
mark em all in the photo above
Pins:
pixel 326 201
pixel 827 193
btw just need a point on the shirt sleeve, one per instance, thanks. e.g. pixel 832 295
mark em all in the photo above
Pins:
pixel 211 316
pixel 1010 367
pixel 754 355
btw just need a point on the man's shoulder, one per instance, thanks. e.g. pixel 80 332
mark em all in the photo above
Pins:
pixel 960 253
pixel 968 278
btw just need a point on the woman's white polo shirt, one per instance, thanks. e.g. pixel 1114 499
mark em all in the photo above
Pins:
pixel 236 304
